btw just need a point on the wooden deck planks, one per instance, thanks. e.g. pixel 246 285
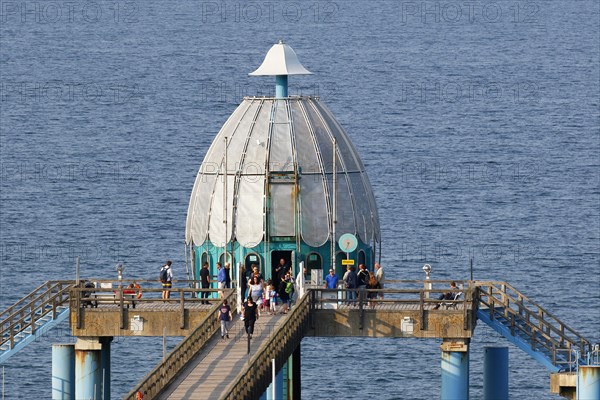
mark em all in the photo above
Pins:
pixel 215 367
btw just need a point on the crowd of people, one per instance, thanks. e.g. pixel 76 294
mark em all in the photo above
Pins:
pixel 271 296
pixel 361 280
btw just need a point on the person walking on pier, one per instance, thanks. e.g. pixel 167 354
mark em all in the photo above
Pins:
pixel 372 284
pixel 256 289
pixel 225 317
pixel 363 276
pixel 331 280
pixel 166 278
pixel 251 315
pixel 272 300
pixel 350 280
pixel 255 273
pixel 243 281
pixel 286 292
pixel 228 275
pixel 221 278
pixel 205 282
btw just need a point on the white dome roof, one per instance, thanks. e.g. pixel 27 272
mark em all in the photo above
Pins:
pixel 280 178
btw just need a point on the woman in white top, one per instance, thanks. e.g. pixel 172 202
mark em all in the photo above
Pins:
pixel 256 289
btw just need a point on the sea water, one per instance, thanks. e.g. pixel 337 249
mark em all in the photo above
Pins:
pixel 477 123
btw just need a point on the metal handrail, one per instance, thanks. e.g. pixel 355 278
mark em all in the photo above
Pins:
pixel 33 307
pixel 164 373
pixel 525 298
pixel 256 376
pixel 520 311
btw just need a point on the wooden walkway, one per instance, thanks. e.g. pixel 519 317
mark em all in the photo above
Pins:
pixel 216 366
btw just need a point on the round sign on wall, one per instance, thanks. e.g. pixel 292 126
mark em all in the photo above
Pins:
pixel 348 242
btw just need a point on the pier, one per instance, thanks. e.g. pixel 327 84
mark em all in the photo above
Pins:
pixel 203 360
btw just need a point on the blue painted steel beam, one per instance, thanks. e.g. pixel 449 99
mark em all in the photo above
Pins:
pixel 522 344
pixel 455 375
pixel 63 371
pixel 495 373
pixel 28 338
pixel 588 382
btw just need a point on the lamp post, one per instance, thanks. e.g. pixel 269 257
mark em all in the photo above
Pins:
pixel 120 268
pixel 427 285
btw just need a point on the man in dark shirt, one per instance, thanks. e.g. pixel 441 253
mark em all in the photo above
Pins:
pixel 363 276
pixel 227 275
pixel 350 281
pixel 205 281
pixel 280 271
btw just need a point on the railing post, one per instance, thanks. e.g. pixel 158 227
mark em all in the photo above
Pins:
pixel 79 309
pixel 182 308
pixel 422 307
pixel 361 308
pixel 469 293
pixel 32 318
pixel 312 308
pixel 12 336
pixel 121 308
pixel 512 325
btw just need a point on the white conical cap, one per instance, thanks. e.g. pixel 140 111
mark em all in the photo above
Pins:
pixel 281 60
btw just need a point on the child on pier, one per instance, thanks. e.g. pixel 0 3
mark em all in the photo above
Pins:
pixel 272 300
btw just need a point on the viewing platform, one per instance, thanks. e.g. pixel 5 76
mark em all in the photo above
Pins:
pixel 407 312
pixel 270 361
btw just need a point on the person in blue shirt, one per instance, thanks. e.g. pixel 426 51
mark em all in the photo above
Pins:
pixel 331 280
pixel 221 278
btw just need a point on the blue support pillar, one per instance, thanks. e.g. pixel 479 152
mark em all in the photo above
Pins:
pixel 296 377
pixel 88 374
pixel 92 368
pixel 455 371
pixel 105 364
pixel 281 86
pixel 588 382
pixel 495 373
pixel 63 371
pixel 278 387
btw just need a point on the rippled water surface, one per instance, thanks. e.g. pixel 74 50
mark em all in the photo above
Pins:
pixel 478 125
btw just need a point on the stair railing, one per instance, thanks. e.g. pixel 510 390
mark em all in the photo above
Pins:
pixel 255 378
pixel 164 373
pixel 544 330
pixel 22 316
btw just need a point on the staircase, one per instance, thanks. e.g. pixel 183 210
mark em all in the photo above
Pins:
pixel 33 316
pixel 530 327
pixel 188 371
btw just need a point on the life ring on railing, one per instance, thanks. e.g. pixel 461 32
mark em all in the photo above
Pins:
pixel 139 290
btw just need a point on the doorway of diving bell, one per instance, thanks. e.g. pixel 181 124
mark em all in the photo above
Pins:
pixel 289 261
